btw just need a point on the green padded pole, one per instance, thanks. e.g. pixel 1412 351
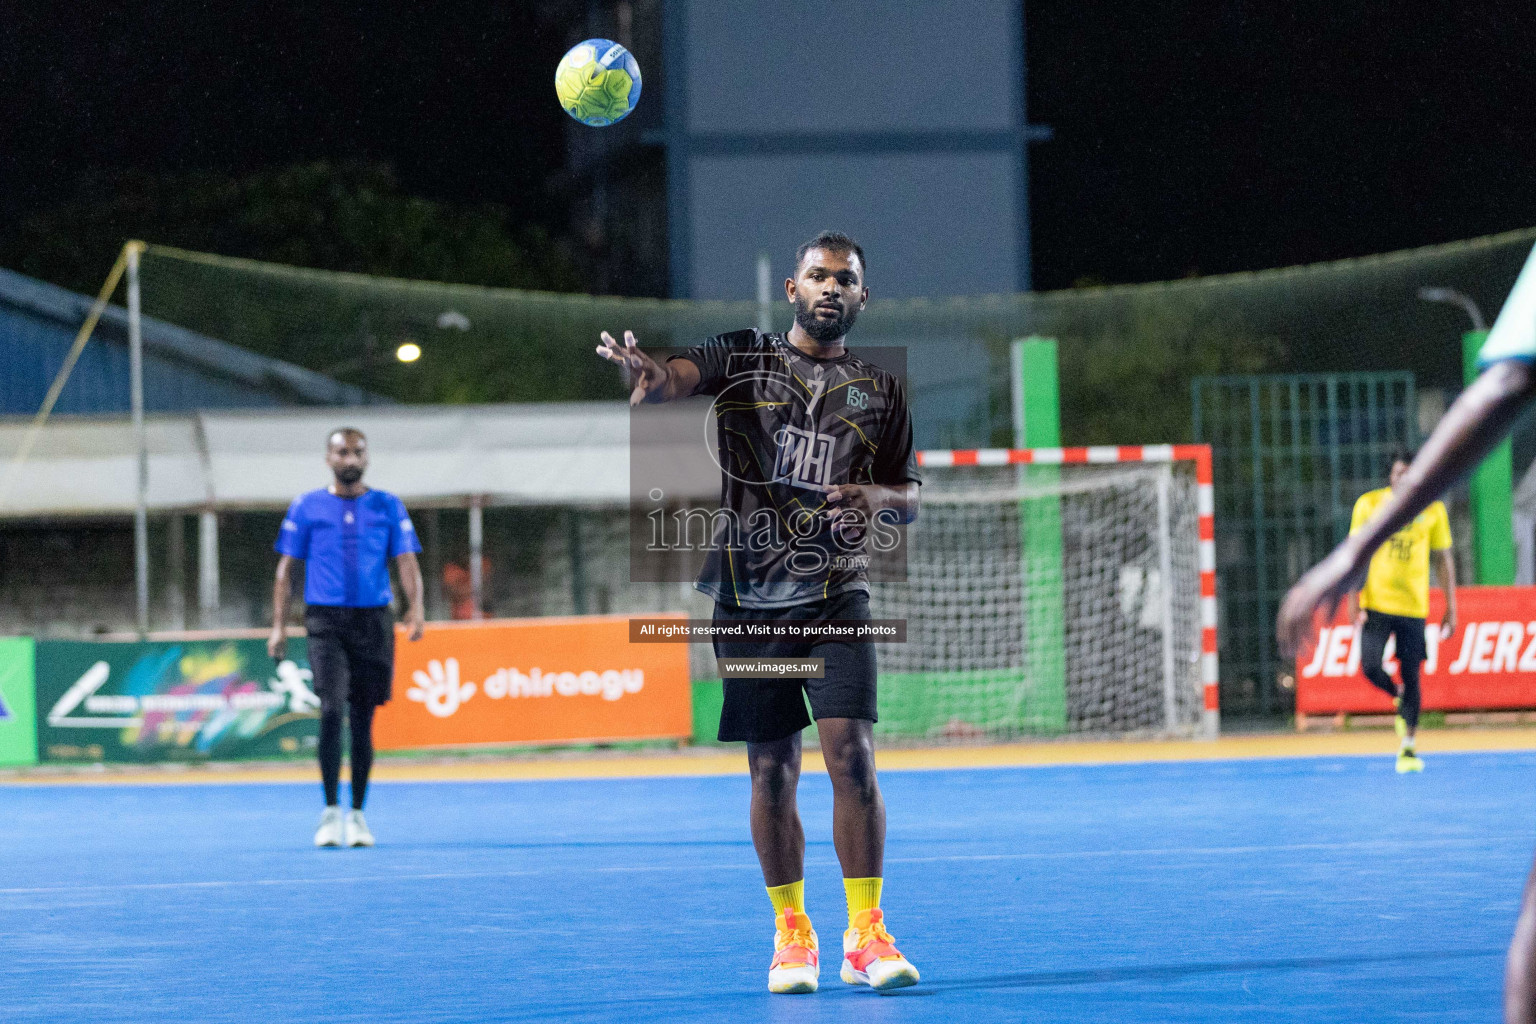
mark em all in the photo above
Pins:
pixel 1042 699
pixel 1493 494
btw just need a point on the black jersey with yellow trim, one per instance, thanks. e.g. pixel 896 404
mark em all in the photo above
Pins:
pixel 789 427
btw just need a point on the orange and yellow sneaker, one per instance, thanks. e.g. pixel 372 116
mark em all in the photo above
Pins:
pixel 870 956
pixel 796 964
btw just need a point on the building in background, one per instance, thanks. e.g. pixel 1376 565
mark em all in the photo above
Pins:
pixel 183 370
pixel 901 123
pixel 759 125
pixel 616 180
pixel 75 576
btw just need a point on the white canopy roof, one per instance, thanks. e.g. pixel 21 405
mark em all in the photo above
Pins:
pixel 554 453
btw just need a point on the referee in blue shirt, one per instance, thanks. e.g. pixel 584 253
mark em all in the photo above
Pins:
pixel 346 534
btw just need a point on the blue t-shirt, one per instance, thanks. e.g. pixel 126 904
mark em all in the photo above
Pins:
pixel 347 544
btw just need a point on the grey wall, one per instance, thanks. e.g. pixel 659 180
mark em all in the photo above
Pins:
pixel 930 223
pixel 864 65
pixel 901 123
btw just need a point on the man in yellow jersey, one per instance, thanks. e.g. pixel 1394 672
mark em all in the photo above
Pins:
pixel 1395 602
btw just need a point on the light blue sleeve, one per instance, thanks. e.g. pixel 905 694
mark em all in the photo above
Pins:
pixel 1514 332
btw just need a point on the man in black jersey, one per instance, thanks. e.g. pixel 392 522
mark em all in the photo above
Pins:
pixel 817 459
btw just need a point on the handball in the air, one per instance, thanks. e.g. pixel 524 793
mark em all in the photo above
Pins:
pixel 598 82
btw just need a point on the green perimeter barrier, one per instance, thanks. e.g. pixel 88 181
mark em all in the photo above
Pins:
pixel 18 701
pixel 1492 491
pixel 194 700
pixel 1042 686
pixel 708 698
pixel 913 705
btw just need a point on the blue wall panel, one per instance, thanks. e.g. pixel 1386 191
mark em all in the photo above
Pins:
pixel 900 121
pixel 32 350
pixel 859 66
pixel 931 223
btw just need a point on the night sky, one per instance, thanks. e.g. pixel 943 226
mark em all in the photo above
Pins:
pixel 1248 135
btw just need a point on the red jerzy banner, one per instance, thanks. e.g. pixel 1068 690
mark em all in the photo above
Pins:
pixel 1488 663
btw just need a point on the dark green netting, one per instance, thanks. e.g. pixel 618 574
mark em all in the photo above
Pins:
pixel 1128 352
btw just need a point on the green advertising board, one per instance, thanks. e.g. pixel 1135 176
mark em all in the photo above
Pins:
pixel 194 700
pixel 18 717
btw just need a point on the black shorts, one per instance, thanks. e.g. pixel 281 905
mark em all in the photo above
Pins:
pixel 1379 625
pixel 351 653
pixel 765 710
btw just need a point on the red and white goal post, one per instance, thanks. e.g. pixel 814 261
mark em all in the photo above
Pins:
pixel 1134 582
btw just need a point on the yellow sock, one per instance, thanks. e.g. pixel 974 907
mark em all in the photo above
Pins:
pixel 785 896
pixel 863 894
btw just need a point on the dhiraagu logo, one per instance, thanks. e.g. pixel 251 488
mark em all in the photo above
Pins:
pixel 18 701
pixel 440 690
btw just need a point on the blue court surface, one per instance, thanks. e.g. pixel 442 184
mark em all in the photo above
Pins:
pixel 1282 890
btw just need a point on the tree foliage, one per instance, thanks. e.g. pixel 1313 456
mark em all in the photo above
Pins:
pixel 1129 383
pixel 330 216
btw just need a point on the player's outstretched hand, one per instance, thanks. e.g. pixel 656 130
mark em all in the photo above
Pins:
pixel 649 376
pixel 1320 589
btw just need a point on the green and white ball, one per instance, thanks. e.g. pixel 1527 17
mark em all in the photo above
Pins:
pixel 598 82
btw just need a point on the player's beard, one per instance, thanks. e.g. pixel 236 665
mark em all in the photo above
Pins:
pixel 823 330
pixel 348 475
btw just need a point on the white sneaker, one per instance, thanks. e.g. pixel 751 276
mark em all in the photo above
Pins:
pixel 357 830
pixel 329 832
pixel 870 956
pixel 796 963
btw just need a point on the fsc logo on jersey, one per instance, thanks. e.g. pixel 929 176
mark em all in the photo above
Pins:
pixel 534 681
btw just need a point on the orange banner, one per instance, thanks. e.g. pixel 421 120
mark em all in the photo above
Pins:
pixel 534 681
pixel 1488 663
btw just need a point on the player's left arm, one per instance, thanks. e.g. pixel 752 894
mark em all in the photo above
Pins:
pixel 411 583
pixel 895 482
pixel 866 500
pixel 1445 571
pixel 403 545
pixel 1445 565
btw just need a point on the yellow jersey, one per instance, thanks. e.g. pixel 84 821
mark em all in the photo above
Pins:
pixel 1398 580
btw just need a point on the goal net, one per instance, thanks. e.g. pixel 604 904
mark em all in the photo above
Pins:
pixel 1049 599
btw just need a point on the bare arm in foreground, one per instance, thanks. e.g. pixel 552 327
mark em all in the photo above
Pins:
pixel 1472 428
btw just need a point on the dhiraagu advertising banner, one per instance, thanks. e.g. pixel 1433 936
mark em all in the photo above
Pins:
pixel 18 720
pixel 172 701
pixel 534 681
